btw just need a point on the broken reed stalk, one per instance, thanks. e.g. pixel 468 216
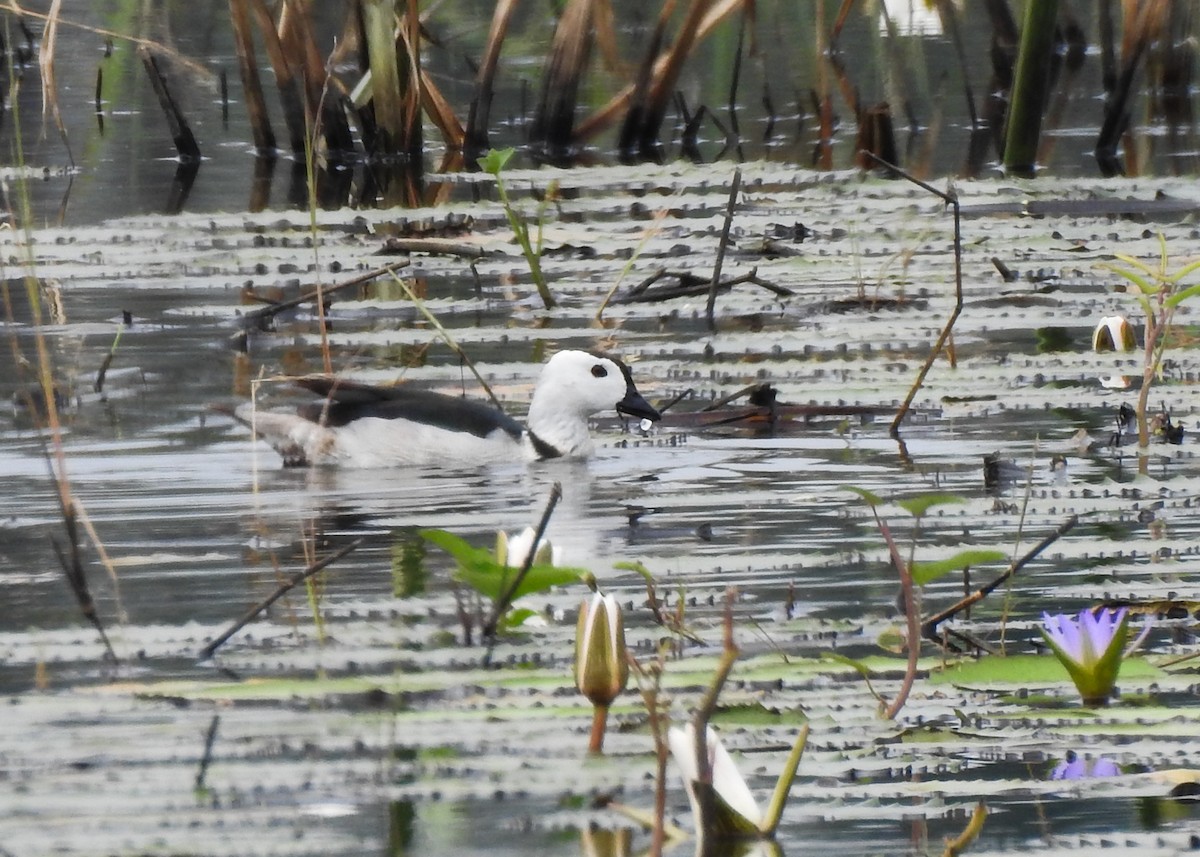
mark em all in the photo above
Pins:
pixel 181 133
pixel 950 197
pixel 912 616
pixel 504 601
pixel 280 591
pixel 291 91
pixel 256 103
pixel 1023 128
pixel 392 104
pixel 666 76
pixel 949 18
pixel 929 626
pixel 49 80
pixel 734 187
pixel 210 738
pixel 607 115
pixel 552 132
pixel 475 137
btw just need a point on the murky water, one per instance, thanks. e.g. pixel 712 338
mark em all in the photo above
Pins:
pixel 375 729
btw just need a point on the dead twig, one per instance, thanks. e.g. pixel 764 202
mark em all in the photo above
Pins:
pixel 950 197
pixel 280 591
pixel 691 285
pixel 734 187
pixel 260 316
pixel 210 738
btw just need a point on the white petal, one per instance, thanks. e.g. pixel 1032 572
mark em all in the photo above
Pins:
pixel 727 779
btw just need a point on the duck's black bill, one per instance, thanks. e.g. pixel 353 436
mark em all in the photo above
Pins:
pixel 633 405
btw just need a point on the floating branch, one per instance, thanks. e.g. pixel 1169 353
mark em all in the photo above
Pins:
pixel 260 317
pixel 689 285
pixel 280 591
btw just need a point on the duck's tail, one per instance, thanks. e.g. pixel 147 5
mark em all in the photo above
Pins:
pixel 299 441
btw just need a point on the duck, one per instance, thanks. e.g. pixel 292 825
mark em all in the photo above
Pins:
pixel 364 425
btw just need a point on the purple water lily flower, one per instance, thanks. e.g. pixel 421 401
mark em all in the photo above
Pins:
pixel 1076 768
pixel 1090 646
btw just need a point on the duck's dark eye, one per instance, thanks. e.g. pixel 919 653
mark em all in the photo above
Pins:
pixel 599 371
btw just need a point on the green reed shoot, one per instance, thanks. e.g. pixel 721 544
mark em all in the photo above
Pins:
pixel 493 163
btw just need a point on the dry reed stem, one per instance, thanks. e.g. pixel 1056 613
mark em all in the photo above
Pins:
pixel 555 118
pixel 438 109
pixel 291 95
pixel 256 104
pixel 619 103
pixel 476 135
pixel 49 81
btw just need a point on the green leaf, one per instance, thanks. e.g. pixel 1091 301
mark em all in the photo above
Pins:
pixel 517 617
pixel 922 503
pixel 478 569
pixel 872 499
pixel 637 567
pixel 924 572
pixel 461 550
pixel 493 581
pixel 858 666
pixel 1184 271
pixel 1180 297
pixel 495 160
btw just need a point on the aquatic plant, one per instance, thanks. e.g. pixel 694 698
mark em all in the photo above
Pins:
pixel 496 576
pixel 1113 333
pixel 1091 647
pixel 494 162
pixel 488 573
pixel 601 664
pixel 914 573
pixel 1076 767
pixel 731 810
pixel 1159 292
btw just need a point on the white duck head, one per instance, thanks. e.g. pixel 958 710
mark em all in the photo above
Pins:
pixel 573 386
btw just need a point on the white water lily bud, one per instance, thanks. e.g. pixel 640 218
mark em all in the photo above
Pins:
pixel 601 669
pixel 737 812
pixel 512 550
pixel 1114 333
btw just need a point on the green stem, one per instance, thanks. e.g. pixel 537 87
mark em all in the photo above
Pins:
pixel 1030 84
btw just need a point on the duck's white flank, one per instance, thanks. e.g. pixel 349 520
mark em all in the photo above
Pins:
pixel 362 426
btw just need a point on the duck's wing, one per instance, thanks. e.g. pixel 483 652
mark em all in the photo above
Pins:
pixel 346 401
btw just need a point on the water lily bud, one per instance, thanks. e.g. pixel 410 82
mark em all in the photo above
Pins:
pixel 512 550
pixel 601 670
pixel 1114 333
pixel 737 812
